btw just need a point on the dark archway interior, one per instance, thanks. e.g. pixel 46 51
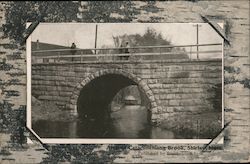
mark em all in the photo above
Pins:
pixel 96 96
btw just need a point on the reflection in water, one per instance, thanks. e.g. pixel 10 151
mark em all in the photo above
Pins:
pixel 129 121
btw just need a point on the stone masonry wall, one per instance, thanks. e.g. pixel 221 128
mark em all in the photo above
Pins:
pixel 177 86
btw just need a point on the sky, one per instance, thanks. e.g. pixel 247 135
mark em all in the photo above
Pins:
pixel 83 34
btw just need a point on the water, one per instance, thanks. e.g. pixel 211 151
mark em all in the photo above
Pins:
pixel 129 121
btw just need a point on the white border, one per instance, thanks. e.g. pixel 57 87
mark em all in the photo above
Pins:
pixel 28 60
pixel 109 141
pixel 222 86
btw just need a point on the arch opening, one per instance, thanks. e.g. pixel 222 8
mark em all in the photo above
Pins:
pixel 101 120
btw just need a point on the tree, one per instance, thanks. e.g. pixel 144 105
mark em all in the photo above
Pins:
pixel 18 13
pixel 102 11
pixel 150 38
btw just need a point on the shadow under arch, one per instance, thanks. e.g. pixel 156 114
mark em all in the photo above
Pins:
pixel 98 89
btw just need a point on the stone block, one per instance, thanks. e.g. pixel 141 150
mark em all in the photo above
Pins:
pixel 155 91
pixel 146 88
pixel 144 76
pixel 152 81
pixel 75 96
pixel 170 96
pixel 163 109
pixel 50 88
pixel 181 74
pixel 194 67
pixel 190 102
pixel 61 103
pixel 84 82
pixel 52 93
pixel 70 106
pixel 164 116
pixel 73 101
pixel 37 77
pixel 61 98
pixel 153 104
pixel 91 77
pixel 87 79
pixel 70 86
pixel 45 97
pixel 142 83
pixel 175 68
pixel 79 86
pixel 154 110
pixel 145 71
pixel 155 86
pixel 97 74
pixel 174 102
pixel 79 69
pixel 145 66
pixel 178 109
pixel 157 96
pixel 151 98
pixel 163 96
pixel 214 68
pixel 169 110
pixel 65 93
pixel 154 116
pixel 67 74
pixel 71 80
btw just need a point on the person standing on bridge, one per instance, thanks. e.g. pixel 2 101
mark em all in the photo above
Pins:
pixel 73 50
pixel 121 52
pixel 127 50
pixel 127 47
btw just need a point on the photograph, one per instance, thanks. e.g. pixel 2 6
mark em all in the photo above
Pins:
pixel 126 81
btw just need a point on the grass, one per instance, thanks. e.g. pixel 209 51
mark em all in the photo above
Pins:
pixel 187 126
pixel 45 110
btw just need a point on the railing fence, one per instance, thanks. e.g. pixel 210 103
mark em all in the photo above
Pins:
pixel 126 53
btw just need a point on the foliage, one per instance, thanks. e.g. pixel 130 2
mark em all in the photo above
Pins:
pixel 18 13
pixel 108 11
pixel 150 38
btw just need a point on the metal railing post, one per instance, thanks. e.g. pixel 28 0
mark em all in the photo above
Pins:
pixel 58 57
pixel 81 57
pixel 190 53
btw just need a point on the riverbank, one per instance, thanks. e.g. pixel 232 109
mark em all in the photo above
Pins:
pixel 44 110
pixel 194 126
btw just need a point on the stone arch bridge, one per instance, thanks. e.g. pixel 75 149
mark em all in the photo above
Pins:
pixel 172 87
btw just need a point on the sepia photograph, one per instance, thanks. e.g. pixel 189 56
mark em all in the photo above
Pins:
pixel 126 81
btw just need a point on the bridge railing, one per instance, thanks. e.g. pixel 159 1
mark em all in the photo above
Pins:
pixel 128 53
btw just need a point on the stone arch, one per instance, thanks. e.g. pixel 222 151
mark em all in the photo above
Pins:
pixel 140 82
